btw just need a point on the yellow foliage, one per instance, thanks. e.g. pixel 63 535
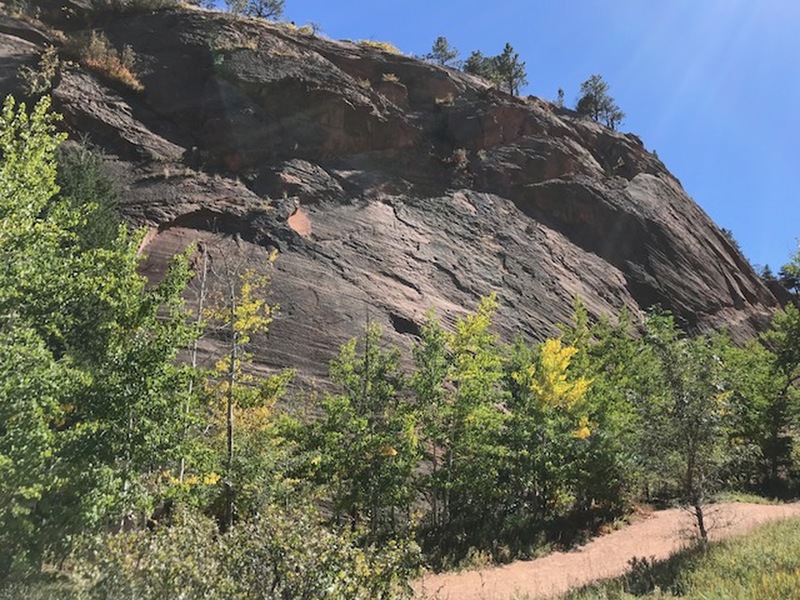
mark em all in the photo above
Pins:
pixel 473 330
pixel 211 479
pixel 583 431
pixel 550 382
pixel 251 313
pixel 388 451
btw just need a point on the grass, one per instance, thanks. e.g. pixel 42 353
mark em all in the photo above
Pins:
pixel 764 564
pixel 749 498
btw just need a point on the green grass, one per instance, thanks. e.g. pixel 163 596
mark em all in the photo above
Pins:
pixel 734 496
pixel 764 564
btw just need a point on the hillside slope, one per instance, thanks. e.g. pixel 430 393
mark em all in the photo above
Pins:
pixel 389 185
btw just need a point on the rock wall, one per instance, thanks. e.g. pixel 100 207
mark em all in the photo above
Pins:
pixel 388 185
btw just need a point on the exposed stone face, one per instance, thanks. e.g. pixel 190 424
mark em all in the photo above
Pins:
pixel 389 186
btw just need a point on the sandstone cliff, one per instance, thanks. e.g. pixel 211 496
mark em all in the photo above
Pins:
pixel 388 185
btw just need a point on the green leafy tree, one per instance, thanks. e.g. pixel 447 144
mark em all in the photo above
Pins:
pixel 84 185
pixel 760 424
pixel 462 372
pixel 789 274
pixel 442 52
pixel 365 445
pixel 784 339
pixel 478 417
pixel 595 102
pixel 129 417
pixel 619 459
pixel 694 434
pixel 546 429
pixel 34 384
pixel 238 312
pixel 93 421
pixel 430 385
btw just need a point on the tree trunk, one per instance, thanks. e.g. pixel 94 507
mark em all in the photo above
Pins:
pixel 193 359
pixel 701 524
pixel 434 489
pixel 231 383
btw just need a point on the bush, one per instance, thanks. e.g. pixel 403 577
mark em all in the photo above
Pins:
pixel 39 81
pixel 95 52
pixel 277 555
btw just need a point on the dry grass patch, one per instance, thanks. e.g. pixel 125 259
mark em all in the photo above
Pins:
pixel 95 52
pixel 383 46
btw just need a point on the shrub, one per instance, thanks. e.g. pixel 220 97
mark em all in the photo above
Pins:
pixel 39 81
pixel 390 77
pixel 95 52
pixel 21 8
pixel 277 555
pixel 459 159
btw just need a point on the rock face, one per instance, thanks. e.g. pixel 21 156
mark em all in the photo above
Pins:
pixel 388 185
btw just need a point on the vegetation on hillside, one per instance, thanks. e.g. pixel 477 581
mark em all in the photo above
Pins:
pixel 507 72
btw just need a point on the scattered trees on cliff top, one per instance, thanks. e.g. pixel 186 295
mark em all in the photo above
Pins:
pixel 442 52
pixel 597 103
pixel 265 9
pixel 505 70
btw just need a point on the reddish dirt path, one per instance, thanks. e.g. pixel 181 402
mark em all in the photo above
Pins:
pixel 658 534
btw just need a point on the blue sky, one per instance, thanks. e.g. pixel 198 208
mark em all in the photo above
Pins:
pixel 712 85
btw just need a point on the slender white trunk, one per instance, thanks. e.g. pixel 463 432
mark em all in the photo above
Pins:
pixel 193 358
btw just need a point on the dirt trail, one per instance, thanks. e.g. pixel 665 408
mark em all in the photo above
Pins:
pixel 658 534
